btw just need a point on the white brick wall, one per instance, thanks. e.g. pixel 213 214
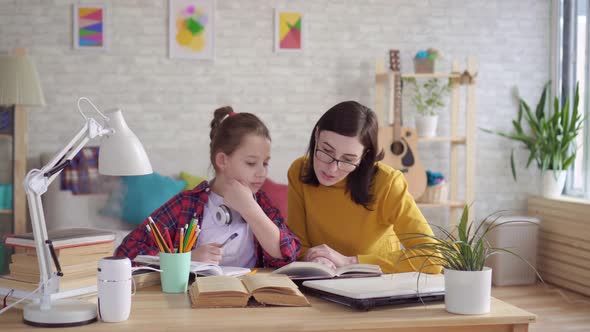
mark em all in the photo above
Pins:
pixel 169 102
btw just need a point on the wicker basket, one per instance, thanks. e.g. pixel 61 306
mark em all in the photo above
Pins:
pixel 435 194
pixel 424 65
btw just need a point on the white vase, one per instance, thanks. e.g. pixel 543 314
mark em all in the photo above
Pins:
pixel 426 125
pixel 553 182
pixel 468 292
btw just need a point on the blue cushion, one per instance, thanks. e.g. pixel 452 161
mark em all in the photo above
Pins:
pixel 140 196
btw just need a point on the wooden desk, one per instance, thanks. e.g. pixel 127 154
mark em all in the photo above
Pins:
pixel 155 311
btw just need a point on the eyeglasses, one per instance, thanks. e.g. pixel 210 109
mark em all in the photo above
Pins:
pixel 342 165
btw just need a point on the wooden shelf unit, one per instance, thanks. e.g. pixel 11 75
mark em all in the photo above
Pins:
pixel 456 138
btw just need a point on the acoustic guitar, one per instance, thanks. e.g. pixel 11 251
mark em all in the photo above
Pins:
pixel 400 143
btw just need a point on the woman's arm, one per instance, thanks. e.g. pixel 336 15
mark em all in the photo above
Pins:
pixel 296 207
pixel 399 209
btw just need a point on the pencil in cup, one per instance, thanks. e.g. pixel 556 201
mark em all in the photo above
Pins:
pixel 154 237
pixel 193 238
pixel 158 236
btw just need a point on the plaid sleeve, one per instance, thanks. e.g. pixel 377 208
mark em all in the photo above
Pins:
pixel 169 215
pixel 289 243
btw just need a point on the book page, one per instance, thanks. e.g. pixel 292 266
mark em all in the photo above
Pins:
pixel 359 269
pixel 275 283
pixel 205 269
pixel 306 270
pixel 275 290
pixel 219 284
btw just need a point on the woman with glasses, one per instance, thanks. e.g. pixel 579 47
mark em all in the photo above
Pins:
pixel 346 206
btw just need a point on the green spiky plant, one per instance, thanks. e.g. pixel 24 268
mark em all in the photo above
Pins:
pixel 467 250
pixel 551 137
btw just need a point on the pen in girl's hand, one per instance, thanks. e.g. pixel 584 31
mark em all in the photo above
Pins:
pixel 231 237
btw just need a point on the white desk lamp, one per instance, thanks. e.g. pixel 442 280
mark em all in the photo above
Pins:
pixel 121 153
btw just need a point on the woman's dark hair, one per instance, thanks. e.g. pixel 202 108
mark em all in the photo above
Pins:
pixel 350 119
pixel 229 128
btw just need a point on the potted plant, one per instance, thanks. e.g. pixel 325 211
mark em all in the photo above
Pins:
pixel 428 99
pixel 462 254
pixel 550 139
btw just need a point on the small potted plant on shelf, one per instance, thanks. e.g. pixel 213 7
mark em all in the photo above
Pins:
pixel 550 138
pixel 468 282
pixel 428 97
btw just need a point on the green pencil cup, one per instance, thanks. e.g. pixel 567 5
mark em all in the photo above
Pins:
pixel 175 271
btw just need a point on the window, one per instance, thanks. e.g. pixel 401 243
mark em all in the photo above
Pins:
pixel 570 35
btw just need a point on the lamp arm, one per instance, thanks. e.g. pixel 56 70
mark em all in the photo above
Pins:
pixel 36 184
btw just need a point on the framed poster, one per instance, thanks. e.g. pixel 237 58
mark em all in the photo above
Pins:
pixel 191 33
pixel 289 30
pixel 91 26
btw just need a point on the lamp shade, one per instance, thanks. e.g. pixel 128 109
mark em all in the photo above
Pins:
pixel 19 81
pixel 121 153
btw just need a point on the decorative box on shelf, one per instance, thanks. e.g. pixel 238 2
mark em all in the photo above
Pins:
pixel 424 65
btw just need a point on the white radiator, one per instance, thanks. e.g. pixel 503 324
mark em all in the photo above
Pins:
pixel 564 246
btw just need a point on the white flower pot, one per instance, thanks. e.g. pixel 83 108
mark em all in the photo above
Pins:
pixel 426 125
pixel 468 292
pixel 553 182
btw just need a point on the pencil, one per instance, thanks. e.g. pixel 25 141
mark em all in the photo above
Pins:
pixel 154 237
pixel 195 237
pixel 168 239
pixel 159 235
pixel 231 237
pixel 181 240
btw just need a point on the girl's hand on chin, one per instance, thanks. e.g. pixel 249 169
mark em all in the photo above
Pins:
pixel 239 197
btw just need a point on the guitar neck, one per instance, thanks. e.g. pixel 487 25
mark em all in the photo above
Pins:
pixel 395 66
pixel 397 106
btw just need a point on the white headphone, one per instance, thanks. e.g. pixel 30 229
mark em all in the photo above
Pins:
pixel 221 214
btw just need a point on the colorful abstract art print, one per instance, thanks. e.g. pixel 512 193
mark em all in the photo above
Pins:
pixel 289 30
pixel 192 29
pixel 91 26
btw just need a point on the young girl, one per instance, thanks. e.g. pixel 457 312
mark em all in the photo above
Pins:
pixel 345 205
pixel 230 203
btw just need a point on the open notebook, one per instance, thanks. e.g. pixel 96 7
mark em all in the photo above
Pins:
pixel 390 289
pixel 199 268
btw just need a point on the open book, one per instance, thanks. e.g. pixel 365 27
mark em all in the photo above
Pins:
pixel 199 268
pixel 224 291
pixel 313 270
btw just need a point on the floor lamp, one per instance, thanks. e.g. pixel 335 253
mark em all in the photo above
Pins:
pixel 19 87
pixel 121 153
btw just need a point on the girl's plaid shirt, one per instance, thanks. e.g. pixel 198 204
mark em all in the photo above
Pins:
pixel 178 212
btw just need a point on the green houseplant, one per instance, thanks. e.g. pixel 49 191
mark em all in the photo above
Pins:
pixel 550 138
pixel 463 255
pixel 428 98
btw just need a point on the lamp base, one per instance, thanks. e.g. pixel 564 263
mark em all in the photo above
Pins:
pixel 63 313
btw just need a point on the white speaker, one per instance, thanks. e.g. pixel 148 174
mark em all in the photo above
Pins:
pixel 114 289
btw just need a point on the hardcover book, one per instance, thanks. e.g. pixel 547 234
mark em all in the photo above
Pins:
pixel 224 291
pixel 64 238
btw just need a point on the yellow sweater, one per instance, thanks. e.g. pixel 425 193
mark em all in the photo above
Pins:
pixel 328 215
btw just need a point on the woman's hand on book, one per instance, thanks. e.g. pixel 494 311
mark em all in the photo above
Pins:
pixel 324 261
pixel 208 253
pixel 325 252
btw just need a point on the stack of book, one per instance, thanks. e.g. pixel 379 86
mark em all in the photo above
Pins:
pixel 78 252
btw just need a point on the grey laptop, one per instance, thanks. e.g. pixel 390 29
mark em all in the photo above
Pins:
pixel 390 289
